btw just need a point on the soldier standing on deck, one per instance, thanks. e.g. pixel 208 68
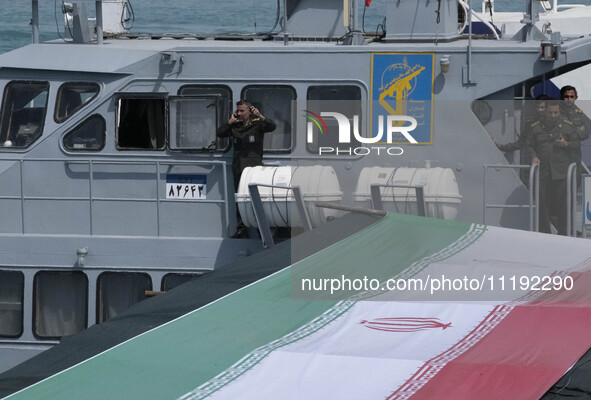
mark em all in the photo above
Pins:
pixel 551 143
pixel 538 114
pixel 577 117
pixel 246 127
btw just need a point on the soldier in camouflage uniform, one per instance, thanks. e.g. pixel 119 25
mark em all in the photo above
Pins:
pixel 551 144
pixel 247 127
pixel 577 117
pixel 521 142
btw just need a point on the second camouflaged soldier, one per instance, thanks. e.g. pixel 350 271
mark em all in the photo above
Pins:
pixel 577 117
pixel 551 143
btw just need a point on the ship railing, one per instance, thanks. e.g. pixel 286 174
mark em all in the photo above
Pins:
pixel 533 198
pixel 376 196
pixel 571 200
pixel 91 198
pixel 468 9
pixel 261 216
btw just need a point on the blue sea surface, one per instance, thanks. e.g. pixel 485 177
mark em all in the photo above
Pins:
pixel 182 16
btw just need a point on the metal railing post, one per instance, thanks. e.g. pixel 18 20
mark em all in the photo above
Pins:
pixel 299 199
pixel 261 218
pixel 35 21
pixel 90 195
pixel 259 215
pixel 571 188
pixel 99 21
pixel 421 209
pixel 22 166
pixel 158 198
pixel 534 198
pixel 484 208
pixel 376 196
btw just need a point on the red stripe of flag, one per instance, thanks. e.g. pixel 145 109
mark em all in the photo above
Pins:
pixel 521 358
pixel 524 355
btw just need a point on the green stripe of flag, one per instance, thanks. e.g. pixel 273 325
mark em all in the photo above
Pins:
pixel 174 359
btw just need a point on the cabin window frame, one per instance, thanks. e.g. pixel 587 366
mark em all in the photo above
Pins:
pixel 293 127
pixel 80 125
pixel 3 111
pixel 22 300
pixel 99 294
pixel 36 305
pixel 222 145
pixel 139 97
pixel 58 101
pixel 176 116
pixel 314 146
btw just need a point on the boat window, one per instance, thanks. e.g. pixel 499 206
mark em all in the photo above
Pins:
pixel 223 105
pixel 88 136
pixel 141 124
pixel 117 291
pixel 60 303
pixel 11 303
pixel 276 103
pixel 482 110
pixel 343 99
pixel 170 281
pixel 71 97
pixel 193 123
pixel 23 113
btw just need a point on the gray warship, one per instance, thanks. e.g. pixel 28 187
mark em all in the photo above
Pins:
pixel 113 185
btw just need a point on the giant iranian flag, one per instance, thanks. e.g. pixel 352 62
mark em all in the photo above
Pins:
pixel 408 308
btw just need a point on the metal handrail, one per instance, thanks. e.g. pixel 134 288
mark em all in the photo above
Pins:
pixel 534 196
pixel 571 199
pixel 376 196
pixel 261 218
pixel 91 198
pixel 486 23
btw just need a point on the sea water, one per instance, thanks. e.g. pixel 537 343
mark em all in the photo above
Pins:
pixel 183 16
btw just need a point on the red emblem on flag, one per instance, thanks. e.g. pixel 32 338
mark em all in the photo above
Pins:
pixel 404 324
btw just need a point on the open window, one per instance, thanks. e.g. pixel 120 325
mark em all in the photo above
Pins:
pixel 23 113
pixel 71 97
pixel 88 136
pixel 277 103
pixel 141 124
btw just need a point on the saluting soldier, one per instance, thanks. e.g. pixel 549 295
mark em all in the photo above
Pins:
pixel 551 143
pixel 575 115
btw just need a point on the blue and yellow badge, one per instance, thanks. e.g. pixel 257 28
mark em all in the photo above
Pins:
pixel 402 84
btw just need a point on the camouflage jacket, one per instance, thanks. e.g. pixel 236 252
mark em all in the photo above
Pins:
pixel 541 142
